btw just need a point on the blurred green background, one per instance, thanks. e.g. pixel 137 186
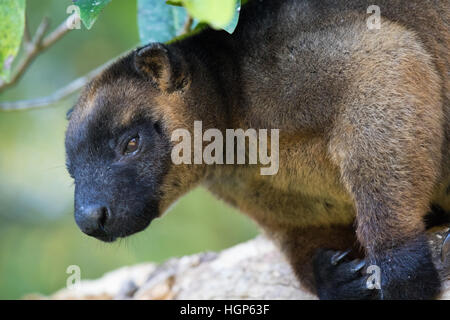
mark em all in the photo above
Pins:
pixel 38 237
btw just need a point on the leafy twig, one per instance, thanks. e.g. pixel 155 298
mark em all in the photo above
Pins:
pixel 37 45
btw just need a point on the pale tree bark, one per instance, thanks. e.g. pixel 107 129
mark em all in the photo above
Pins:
pixel 251 270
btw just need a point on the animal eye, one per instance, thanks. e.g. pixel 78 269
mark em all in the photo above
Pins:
pixel 132 145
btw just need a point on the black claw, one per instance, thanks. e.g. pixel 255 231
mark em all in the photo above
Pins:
pixel 359 266
pixel 445 252
pixel 338 256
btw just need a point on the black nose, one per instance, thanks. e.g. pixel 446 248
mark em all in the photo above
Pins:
pixel 92 220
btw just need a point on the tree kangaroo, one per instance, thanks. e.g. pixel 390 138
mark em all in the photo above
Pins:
pixel 363 119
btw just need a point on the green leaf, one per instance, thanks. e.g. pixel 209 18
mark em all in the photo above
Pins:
pixel 159 22
pixel 234 22
pixel 12 22
pixel 178 3
pixel 90 9
pixel 218 13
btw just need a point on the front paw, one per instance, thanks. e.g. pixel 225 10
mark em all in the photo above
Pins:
pixel 402 272
pixel 339 278
pixel 408 272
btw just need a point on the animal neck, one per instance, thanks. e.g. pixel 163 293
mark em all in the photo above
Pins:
pixel 212 58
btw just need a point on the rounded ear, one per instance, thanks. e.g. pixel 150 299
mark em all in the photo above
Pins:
pixel 162 65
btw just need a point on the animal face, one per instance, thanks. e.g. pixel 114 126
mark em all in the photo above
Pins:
pixel 118 167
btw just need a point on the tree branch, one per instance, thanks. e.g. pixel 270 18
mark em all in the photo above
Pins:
pixel 252 270
pixel 57 95
pixel 26 32
pixel 187 25
pixel 54 97
pixel 38 45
